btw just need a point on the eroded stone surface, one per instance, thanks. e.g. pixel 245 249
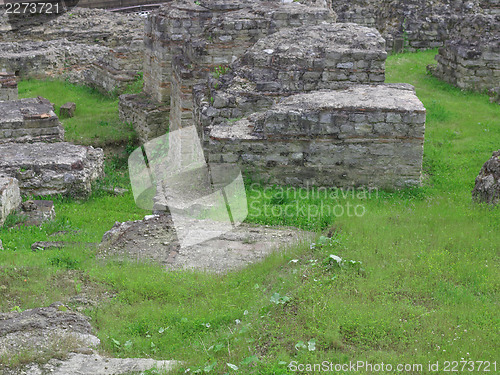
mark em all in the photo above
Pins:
pixel 10 196
pixel 361 136
pixel 41 330
pixel 55 168
pixel 487 187
pixel 154 239
pixel 29 120
pixel 65 336
pixel 8 86
pixel 470 58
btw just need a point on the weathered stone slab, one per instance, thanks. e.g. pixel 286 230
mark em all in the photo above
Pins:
pixel 29 120
pixel 55 168
pixel 291 61
pixel 362 136
pixel 8 86
pixel 10 197
pixel 154 239
pixel 65 340
pixel 487 187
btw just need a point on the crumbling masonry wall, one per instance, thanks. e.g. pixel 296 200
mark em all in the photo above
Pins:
pixel 90 46
pixel 412 24
pixel 360 136
pixel 308 107
pixel 470 59
pixel 284 91
pixel 8 86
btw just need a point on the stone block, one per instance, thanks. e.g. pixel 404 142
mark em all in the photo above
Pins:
pixel 29 120
pixel 487 188
pixel 10 197
pixel 67 110
pixel 37 212
pixel 45 169
pixel 8 86
pixel 356 153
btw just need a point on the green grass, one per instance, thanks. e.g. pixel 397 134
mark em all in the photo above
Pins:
pixel 426 289
pixel 96 118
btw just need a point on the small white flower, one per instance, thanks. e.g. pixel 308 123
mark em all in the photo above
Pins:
pixel 336 258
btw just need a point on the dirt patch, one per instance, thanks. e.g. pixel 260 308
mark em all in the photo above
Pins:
pixel 154 239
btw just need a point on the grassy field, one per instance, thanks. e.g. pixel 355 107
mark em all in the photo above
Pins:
pixel 96 120
pixel 418 282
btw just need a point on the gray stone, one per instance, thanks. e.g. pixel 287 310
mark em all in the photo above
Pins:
pixel 470 58
pixel 54 328
pixel 8 86
pixel 65 340
pixel 29 120
pixel 67 110
pixel 56 168
pixel 1 245
pixel 10 197
pixel 386 154
pixel 37 212
pixel 487 188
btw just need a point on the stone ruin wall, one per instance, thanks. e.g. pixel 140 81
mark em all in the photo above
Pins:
pixel 89 46
pixel 470 58
pixel 412 24
pixel 308 107
pixel 187 45
pixel 8 86
pixel 184 42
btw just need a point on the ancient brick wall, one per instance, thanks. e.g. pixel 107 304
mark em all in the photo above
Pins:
pixel 411 24
pixel 90 46
pixel 361 136
pixel 8 86
pixel 470 59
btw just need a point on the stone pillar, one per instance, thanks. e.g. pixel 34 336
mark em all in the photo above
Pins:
pixel 8 86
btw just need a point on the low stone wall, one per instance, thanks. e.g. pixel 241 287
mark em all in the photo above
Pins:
pixel 149 118
pixel 303 59
pixel 49 169
pixel 8 86
pixel 101 49
pixel 29 120
pixel 411 24
pixel 360 136
pixel 471 58
pixel 10 197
